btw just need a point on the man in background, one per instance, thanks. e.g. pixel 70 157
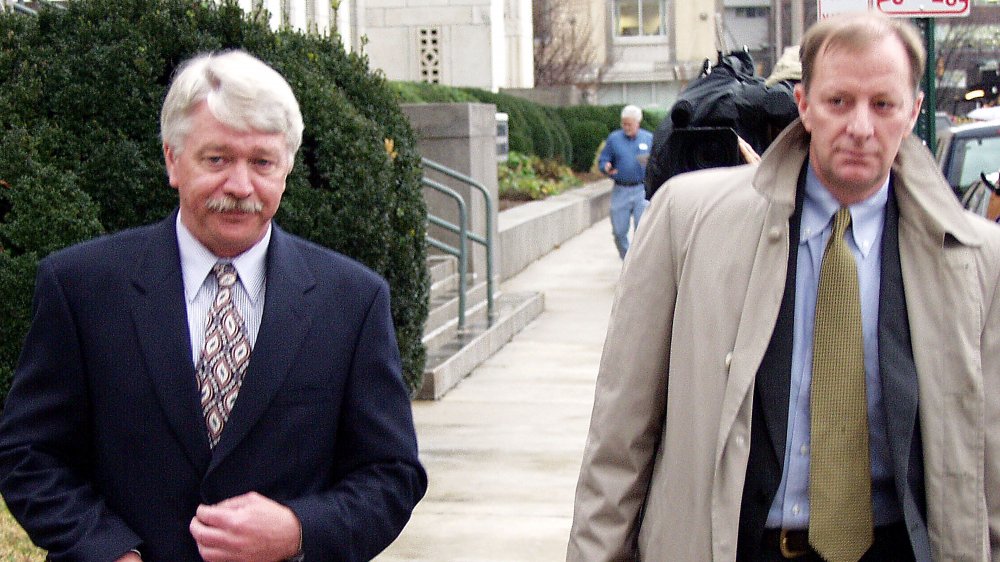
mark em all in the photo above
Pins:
pixel 211 387
pixel 623 159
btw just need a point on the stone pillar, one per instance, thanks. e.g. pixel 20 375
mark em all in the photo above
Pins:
pixel 461 136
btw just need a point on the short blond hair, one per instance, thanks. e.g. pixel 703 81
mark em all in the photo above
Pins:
pixel 857 32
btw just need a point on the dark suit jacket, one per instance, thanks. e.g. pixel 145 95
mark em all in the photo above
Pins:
pixel 103 446
pixel 899 387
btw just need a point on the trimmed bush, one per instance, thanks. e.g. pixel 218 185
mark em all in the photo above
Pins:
pixel 424 92
pixel 651 118
pixel 609 115
pixel 533 128
pixel 80 95
pixel 587 138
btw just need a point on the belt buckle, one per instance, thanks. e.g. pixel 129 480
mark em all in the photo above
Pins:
pixel 785 550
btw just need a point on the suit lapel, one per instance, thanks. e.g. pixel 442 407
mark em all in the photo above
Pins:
pixel 160 316
pixel 899 385
pixel 774 376
pixel 283 329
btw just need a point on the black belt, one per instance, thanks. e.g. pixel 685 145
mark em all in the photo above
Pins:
pixel 794 543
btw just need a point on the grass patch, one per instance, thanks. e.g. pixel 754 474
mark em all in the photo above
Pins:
pixel 14 543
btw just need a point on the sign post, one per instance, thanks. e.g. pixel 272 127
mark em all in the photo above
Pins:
pixel 926 127
pixel 923 13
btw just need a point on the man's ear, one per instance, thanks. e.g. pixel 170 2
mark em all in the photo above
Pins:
pixel 917 103
pixel 802 101
pixel 170 159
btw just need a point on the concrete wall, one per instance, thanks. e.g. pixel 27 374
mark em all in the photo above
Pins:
pixel 461 136
pixel 480 43
pixel 529 231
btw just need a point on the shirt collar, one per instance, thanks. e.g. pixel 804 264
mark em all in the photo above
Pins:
pixel 867 217
pixel 197 262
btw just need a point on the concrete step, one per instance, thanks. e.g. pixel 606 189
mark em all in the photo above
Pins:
pixel 442 316
pixel 452 360
pixel 443 272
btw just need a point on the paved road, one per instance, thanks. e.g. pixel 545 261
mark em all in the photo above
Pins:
pixel 503 448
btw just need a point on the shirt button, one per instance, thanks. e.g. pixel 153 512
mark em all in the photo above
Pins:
pixel 796 509
pixel 804 450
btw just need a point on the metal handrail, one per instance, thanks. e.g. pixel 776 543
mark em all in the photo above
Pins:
pixel 487 242
pixel 21 7
pixel 462 230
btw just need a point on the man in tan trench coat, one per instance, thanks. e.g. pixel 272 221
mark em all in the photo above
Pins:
pixel 699 443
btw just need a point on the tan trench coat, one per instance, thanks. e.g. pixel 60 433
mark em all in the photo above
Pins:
pixel 666 456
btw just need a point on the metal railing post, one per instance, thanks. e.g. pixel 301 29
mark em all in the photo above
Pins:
pixel 463 234
pixel 488 241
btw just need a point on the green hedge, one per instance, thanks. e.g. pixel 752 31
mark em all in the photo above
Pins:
pixel 570 135
pixel 589 125
pixel 424 92
pixel 80 94
pixel 534 129
pixel 587 137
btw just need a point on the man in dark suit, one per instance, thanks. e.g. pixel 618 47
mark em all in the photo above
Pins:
pixel 211 387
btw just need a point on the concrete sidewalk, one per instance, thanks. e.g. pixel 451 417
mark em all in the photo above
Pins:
pixel 503 448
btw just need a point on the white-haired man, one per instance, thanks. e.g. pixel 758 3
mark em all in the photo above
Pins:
pixel 623 159
pixel 211 387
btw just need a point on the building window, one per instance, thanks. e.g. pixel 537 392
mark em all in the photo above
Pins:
pixel 752 12
pixel 428 45
pixel 639 18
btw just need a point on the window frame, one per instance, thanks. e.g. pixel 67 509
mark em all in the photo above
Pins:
pixel 641 37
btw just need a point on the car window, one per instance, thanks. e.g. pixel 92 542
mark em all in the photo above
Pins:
pixel 975 156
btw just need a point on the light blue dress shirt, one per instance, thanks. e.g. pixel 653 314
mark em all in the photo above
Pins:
pixel 790 509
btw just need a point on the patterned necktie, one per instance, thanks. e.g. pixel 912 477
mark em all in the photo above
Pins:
pixel 225 356
pixel 840 505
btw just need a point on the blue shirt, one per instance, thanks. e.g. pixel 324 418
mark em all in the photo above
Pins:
pixel 791 503
pixel 624 154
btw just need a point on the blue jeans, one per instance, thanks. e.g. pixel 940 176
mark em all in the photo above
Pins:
pixel 627 204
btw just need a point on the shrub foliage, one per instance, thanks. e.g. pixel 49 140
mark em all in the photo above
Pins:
pixel 80 155
pixel 528 178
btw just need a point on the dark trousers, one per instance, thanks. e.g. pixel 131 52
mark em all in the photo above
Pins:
pixel 891 544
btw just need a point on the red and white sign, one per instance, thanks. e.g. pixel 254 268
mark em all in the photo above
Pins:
pixel 896 8
pixel 924 8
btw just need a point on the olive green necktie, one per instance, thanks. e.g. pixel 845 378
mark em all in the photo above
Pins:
pixel 840 505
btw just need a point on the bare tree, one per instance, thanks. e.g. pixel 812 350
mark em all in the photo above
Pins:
pixel 564 48
pixel 961 45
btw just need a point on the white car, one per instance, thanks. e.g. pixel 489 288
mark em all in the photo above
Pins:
pixel 966 151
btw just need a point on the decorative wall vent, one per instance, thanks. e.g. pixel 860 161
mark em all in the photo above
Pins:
pixel 429 49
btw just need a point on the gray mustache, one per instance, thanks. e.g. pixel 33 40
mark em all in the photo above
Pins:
pixel 227 203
